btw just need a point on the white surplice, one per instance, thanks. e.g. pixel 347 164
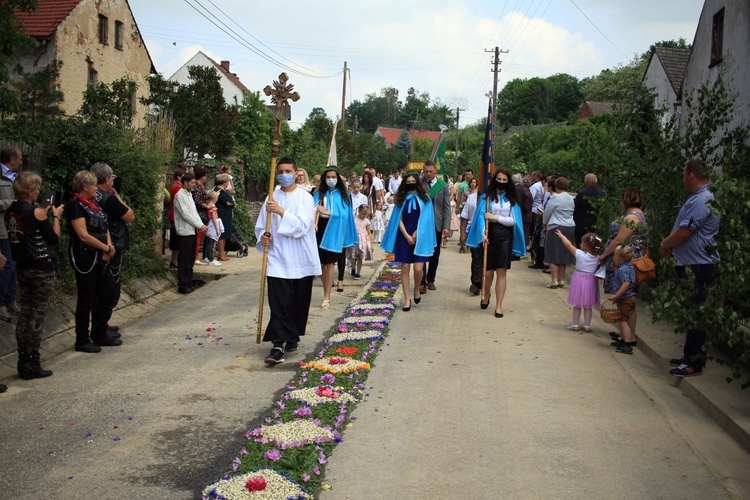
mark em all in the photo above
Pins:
pixel 293 252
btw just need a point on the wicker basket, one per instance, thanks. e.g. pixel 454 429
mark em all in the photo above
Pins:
pixel 609 314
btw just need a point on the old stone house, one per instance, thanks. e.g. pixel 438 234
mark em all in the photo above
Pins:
pixel 96 40
pixel 721 48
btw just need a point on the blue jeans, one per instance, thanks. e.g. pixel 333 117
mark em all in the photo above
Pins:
pixel 8 276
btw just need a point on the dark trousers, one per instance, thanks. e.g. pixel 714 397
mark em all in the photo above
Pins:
pixel 289 301
pixel 696 337
pixel 185 262
pixel 115 266
pixel 95 293
pixel 8 275
pixel 209 247
pixel 341 265
pixel 537 250
pixel 432 265
pixel 477 261
pixel 35 291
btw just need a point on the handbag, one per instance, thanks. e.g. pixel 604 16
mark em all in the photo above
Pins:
pixel 645 269
pixel 601 272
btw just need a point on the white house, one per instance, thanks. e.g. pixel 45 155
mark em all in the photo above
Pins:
pixel 721 47
pixel 663 76
pixel 234 90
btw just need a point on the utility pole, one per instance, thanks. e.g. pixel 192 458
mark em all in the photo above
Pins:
pixel 342 125
pixel 496 71
pixel 458 116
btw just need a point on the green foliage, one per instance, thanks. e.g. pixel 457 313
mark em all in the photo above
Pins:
pixel 422 149
pixel 38 92
pixel 252 144
pixel 13 40
pixel 538 100
pixel 615 85
pixel 403 144
pixel 112 104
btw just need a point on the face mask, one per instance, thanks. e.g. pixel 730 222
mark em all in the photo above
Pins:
pixel 501 185
pixel 331 183
pixel 285 180
pixel 411 186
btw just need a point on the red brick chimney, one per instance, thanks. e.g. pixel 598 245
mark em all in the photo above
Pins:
pixel 225 65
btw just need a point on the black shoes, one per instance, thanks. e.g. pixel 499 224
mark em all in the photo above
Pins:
pixel 3 388
pixel 107 342
pixel 88 347
pixel 537 266
pixel 484 304
pixel 291 346
pixel 498 315
pixel 185 291
pixel 276 356
pixel 685 371
pixel 474 290
pixel 417 300
pixel 677 362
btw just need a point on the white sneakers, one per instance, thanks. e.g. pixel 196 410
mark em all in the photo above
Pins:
pixel 214 263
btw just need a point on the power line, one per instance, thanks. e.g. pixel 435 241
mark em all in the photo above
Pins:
pixel 235 36
pixel 600 31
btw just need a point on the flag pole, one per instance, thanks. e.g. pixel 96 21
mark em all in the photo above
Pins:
pixel 280 94
pixel 488 170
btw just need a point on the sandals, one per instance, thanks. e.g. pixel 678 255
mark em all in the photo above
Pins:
pixel 586 329
pixel 552 285
pixel 573 328
pixel 326 304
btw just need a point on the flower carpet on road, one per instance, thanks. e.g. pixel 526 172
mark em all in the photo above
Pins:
pixel 284 458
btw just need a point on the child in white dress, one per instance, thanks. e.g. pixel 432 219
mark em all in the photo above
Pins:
pixel 378 223
pixel 363 251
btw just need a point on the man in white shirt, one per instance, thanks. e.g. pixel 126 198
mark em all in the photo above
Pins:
pixel 186 222
pixel 377 185
pixel 395 182
pixel 293 260
pixel 477 254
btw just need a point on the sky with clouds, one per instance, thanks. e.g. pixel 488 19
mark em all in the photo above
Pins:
pixel 435 47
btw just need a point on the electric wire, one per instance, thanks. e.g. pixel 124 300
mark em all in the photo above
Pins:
pixel 600 31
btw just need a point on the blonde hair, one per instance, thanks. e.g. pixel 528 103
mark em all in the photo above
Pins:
pixel 25 183
pixel 625 253
pixel 83 179
pixel 213 196
pixel 222 178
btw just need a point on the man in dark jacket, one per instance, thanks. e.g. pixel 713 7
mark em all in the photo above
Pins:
pixel 585 213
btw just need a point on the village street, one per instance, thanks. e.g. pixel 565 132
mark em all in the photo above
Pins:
pixel 461 405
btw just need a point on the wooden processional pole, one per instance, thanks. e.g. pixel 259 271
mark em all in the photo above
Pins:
pixel 280 94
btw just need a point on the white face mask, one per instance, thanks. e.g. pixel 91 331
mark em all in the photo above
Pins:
pixel 331 183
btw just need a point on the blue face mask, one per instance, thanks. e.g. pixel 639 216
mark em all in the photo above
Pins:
pixel 285 180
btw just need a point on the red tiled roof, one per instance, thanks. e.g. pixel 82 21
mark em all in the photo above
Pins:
pixel 47 17
pixel 391 135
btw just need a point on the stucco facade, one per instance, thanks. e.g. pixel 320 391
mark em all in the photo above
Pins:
pixel 89 57
pixel 730 59
pixel 233 89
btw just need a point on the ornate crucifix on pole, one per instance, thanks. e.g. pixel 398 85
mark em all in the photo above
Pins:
pixel 280 94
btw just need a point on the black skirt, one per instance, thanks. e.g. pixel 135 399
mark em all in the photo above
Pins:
pixel 500 251
pixel 326 256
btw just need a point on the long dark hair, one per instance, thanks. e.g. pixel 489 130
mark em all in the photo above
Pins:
pixel 401 191
pixel 510 189
pixel 340 185
pixel 366 175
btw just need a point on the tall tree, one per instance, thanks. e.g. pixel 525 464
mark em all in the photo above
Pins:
pixel 112 104
pixel 13 40
pixel 205 123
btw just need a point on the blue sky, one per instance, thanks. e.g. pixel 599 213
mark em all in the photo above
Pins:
pixel 435 47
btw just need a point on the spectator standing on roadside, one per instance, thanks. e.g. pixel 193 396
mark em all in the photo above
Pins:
pixel 119 215
pixel 187 222
pixel 34 241
pixel 174 241
pixel 10 161
pixel 585 214
pixel 693 243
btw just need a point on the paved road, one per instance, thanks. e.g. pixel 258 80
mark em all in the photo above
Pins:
pixel 467 406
